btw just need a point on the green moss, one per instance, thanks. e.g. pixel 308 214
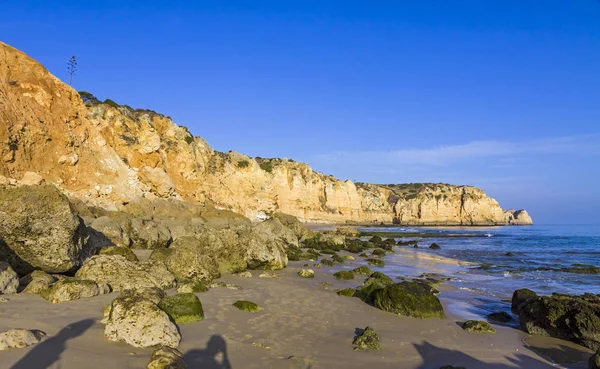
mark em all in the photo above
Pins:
pixel 338 259
pixel 117 250
pixel 378 252
pixel 367 340
pixel 376 239
pixel 376 262
pixel 410 299
pixel 247 306
pixel 355 246
pixel 243 164
pixel 183 308
pixel 267 166
pixel 363 255
pixel 344 275
pixel 328 252
pixel 328 262
pixel 478 326
pixel 390 241
pixel 364 270
pixel 189 139
pixel 347 292
pixel 375 282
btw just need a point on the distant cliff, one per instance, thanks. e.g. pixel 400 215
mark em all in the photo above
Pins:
pixel 108 155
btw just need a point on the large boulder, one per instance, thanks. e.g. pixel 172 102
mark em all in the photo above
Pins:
pixel 263 251
pixel 9 280
pixel 277 230
pixel 37 282
pixel 40 230
pixel 410 299
pixel 120 273
pixel 19 338
pixel 189 261
pixel 294 224
pixel 111 233
pixel 72 289
pixel 149 235
pixel 183 308
pixel 118 250
pixel 139 322
pixel 573 318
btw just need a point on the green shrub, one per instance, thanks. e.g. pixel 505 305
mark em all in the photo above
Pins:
pixel 243 163
pixel 110 102
pixel 267 166
pixel 189 140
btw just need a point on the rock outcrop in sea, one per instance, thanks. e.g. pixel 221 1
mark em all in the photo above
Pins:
pixel 108 156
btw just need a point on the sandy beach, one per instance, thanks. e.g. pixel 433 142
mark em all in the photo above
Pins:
pixel 304 324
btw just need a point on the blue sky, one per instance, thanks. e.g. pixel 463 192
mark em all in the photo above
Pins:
pixel 499 94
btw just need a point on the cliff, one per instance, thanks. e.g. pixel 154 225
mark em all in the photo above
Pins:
pixel 109 155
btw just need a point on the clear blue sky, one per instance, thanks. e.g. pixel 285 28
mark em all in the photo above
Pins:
pixel 500 94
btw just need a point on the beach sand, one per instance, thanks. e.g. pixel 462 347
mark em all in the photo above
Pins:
pixel 303 325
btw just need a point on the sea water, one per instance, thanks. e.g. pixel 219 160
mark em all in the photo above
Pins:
pixel 488 283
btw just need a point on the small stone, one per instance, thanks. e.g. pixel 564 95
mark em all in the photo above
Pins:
pixel 267 274
pixel 363 270
pixel 367 340
pixel 350 257
pixel 247 306
pixel 478 326
pixel 328 262
pixel 225 285
pixel 501 316
pixel 347 292
pixel 245 274
pixel 167 358
pixel 19 338
pixel 376 262
pixel 435 246
pixel 192 287
pixel 307 273
pixel 9 280
pixel 344 275
pixel 317 265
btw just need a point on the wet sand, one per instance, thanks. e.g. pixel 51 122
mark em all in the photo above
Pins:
pixel 303 325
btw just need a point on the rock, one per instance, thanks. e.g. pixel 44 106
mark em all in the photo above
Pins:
pixel 376 239
pixel 343 275
pixel 509 254
pixel 153 294
pixel 3 299
pixel 376 262
pixel 573 318
pixel 112 231
pixel 267 274
pixel 338 259
pixel 435 246
pixel 183 308
pixel 122 274
pixel 19 338
pixel 328 262
pixel 350 257
pixel 594 362
pixel 159 181
pixel 520 297
pixel 139 322
pixel 193 287
pixel 118 250
pixel 245 274
pixel 348 292
pixel 277 230
pixel 375 282
pixel 9 280
pixel 222 284
pixel 70 289
pixel 410 299
pixel 378 252
pixel 40 230
pixel 363 270
pixel 347 231
pixel 31 179
pixel 166 358
pixel 294 224
pixel 188 262
pixel 161 254
pixel 149 235
pixel 306 273
pixel 37 282
pixel 367 340
pixel 501 317
pixel 478 326
pixel 247 306
pixel 517 217
pixel 264 252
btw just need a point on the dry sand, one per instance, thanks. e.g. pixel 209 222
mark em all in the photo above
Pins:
pixel 303 325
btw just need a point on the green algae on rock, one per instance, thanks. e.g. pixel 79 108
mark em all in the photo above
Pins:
pixel 367 340
pixel 408 298
pixel 435 246
pixel 192 287
pixel 328 262
pixel 344 275
pixel 478 326
pixel 118 250
pixel 363 270
pixel 71 289
pixel 375 282
pixel 182 308
pixel 247 306
pixel 347 292
pixel 306 273
pixel 376 262
pixel 338 259
pixel 378 252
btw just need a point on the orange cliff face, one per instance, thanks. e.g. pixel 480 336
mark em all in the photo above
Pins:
pixel 110 155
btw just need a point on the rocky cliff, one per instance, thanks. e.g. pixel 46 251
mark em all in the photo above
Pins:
pixel 109 155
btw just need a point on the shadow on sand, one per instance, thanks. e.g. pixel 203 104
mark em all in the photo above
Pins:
pixel 48 352
pixel 214 356
pixel 434 357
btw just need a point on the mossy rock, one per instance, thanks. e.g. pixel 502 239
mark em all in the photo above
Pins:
pixel 376 262
pixel 435 246
pixel 338 259
pixel 389 241
pixel 376 281
pixel 247 306
pixel 378 252
pixel 306 273
pixel 478 326
pixel 347 292
pixel 416 246
pixel 118 250
pixel 363 255
pixel 328 262
pixel 367 340
pixel 192 287
pixel 328 252
pixel 355 246
pixel 375 239
pixel 344 275
pixel 317 265
pixel 161 254
pixel 408 298
pixel 363 270
pixel 520 297
pixel 182 308
pixel 501 317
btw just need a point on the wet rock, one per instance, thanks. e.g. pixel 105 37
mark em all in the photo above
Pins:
pixel 520 297
pixel 166 358
pixel 478 326
pixel 378 252
pixel 9 280
pixel 139 322
pixel 375 282
pixel 40 230
pixel 183 308
pixel 501 317
pixel 19 338
pixel 343 275
pixel 367 340
pixel 71 289
pixel 222 284
pixel 247 306
pixel 435 246
pixel 347 231
pixel 408 298
pixel 376 262
pixel 347 292
pixel 363 270
pixel 306 273
pixel 594 362
pixel 328 262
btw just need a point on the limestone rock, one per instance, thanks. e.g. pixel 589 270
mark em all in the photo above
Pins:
pixel 139 322
pixel 158 180
pixel 153 294
pixel 9 280
pixel 39 229
pixel 188 262
pixel 112 231
pixel 517 217
pixel 183 308
pixel 118 250
pixel 71 289
pixel 31 179
pixel 306 273
pixel 19 338
pixel 167 358
pixel 367 340
pixel 120 273
pixel 149 235
pixel 410 299
pixel 263 251
pixel 478 326
pixel 37 281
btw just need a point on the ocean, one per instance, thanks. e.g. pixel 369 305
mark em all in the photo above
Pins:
pixel 537 254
